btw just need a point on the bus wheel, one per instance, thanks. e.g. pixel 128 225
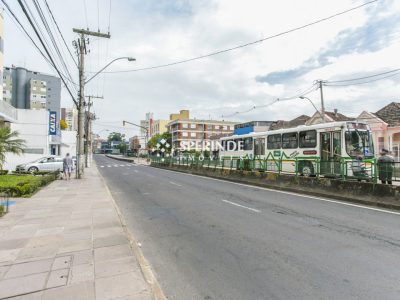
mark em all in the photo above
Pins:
pixel 306 169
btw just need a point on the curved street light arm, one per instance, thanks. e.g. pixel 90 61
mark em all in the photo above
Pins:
pixel 102 69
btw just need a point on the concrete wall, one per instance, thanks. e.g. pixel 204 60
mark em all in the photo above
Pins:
pixel 33 127
pixel 68 144
pixel 359 192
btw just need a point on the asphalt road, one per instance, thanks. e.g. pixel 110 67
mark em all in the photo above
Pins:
pixel 210 239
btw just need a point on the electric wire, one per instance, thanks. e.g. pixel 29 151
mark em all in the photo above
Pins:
pixel 45 48
pixel 59 31
pixel 249 43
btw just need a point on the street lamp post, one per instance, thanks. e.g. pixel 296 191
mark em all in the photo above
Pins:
pixel 321 115
pixel 81 115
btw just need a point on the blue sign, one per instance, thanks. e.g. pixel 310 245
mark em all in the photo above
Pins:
pixel 52 123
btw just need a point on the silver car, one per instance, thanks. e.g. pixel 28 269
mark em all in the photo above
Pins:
pixel 48 163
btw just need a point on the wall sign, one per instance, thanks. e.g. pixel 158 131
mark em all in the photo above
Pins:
pixel 52 123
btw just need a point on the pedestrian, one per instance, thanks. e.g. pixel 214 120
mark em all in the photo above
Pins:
pixel 68 165
pixel 385 167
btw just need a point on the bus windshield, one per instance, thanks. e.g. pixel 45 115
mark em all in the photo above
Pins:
pixel 359 143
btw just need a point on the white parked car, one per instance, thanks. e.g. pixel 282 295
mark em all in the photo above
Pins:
pixel 49 163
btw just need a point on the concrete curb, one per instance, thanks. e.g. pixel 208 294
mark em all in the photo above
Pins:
pixel 121 158
pixel 145 267
pixel 392 206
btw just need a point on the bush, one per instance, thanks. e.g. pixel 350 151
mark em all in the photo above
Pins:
pixel 3 172
pixel 24 185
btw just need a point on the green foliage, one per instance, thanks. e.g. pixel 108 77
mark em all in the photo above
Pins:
pixel 122 147
pixel 2 210
pixel 24 185
pixel 9 142
pixel 115 136
pixel 152 143
pixel 63 125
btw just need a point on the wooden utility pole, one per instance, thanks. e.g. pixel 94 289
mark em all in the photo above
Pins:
pixel 88 130
pixel 322 100
pixel 80 44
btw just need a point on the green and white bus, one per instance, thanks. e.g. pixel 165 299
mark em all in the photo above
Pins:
pixel 326 148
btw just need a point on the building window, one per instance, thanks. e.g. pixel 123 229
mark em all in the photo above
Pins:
pixel 193 126
pixel 185 125
pixel 225 127
pixel 184 134
pixel 193 134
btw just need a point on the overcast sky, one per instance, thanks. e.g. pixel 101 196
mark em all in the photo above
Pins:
pixel 360 43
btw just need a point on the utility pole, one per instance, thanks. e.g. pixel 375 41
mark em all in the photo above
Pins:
pixel 88 129
pixel 322 100
pixel 82 51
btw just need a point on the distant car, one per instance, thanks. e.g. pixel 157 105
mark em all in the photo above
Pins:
pixel 48 163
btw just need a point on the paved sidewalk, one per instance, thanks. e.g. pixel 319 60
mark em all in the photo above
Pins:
pixel 67 242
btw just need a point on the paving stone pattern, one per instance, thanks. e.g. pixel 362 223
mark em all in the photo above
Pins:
pixel 66 242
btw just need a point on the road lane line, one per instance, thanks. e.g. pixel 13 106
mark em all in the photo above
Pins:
pixel 136 171
pixel 101 166
pixel 108 166
pixel 122 165
pixel 242 206
pixel 288 193
pixel 115 165
pixel 173 183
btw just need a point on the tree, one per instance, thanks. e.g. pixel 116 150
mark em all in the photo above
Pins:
pixel 63 125
pixel 122 148
pixel 157 138
pixel 9 142
pixel 115 137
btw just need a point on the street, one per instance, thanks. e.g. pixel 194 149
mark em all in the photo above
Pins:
pixel 210 239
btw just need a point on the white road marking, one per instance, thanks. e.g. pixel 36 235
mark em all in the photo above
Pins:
pixel 173 183
pixel 101 166
pixel 108 166
pixel 122 165
pixel 136 171
pixel 242 206
pixel 291 193
pixel 128 165
pixel 115 165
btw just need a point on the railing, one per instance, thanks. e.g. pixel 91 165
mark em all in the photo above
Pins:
pixel 346 169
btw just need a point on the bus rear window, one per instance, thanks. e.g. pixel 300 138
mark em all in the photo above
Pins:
pixel 308 139
pixel 274 141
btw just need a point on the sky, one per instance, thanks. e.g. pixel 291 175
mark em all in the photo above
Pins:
pixel 155 32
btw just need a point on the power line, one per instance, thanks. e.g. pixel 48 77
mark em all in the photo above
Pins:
pixel 59 31
pixel 391 74
pixel 365 77
pixel 22 28
pixel 296 96
pixel 85 10
pixel 52 39
pixel 45 48
pixel 250 43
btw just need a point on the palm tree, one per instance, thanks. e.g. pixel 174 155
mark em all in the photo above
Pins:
pixel 9 142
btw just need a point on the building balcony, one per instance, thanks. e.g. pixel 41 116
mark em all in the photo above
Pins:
pixel 8 113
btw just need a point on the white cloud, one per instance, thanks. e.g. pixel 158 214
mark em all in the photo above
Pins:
pixel 157 33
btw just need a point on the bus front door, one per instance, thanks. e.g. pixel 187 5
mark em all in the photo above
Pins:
pixel 330 149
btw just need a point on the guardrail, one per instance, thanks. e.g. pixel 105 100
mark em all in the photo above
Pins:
pixel 345 169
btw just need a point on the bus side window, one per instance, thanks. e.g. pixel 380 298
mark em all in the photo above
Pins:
pixel 289 140
pixel 308 139
pixel 274 141
pixel 248 143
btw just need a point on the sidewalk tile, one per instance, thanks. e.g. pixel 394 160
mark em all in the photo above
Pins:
pixel 22 285
pixel 107 253
pixel 111 240
pixel 119 286
pixel 82 257
pixel 80 291
pixel 62 262
pixel 37 252
pixel 34 267
pixel 72 246
pixel 57 278
pixel 80 273
pixel 115 267
pixel 9 255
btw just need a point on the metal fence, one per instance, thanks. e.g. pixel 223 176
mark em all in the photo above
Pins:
pixel 345 169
